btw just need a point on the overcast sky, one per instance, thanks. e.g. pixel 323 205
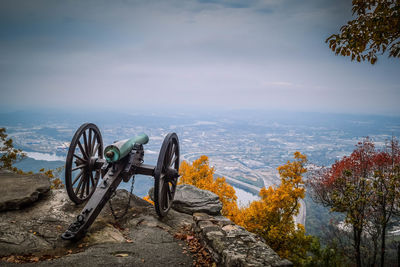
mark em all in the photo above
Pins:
pixel 251 54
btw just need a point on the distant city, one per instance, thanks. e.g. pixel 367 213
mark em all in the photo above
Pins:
pixel 245 147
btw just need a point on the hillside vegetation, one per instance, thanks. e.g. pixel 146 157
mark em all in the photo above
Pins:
pixel 271 217
pixel 361 191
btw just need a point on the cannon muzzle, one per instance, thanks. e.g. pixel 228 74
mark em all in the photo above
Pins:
pixel 121 149
pixel 110 154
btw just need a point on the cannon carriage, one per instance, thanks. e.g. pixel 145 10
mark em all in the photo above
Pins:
pixel 93 173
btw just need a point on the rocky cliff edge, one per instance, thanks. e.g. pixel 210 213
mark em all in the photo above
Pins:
pixel 31 224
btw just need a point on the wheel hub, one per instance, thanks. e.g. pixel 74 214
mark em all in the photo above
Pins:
pixel 92 163
pixel 171 174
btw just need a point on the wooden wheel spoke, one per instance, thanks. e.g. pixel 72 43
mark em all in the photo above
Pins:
pixel 165 197
pixel 82 150
pixel 96 148
pixel 78 167
pixel 166 160
pixel 79 185
pixel 172 152
pixel 77 177
pixel 168 191
pixel 173 160
pixel 90 152
pixel 81 159
pixel 93 147
pixel 173 187
pixel 85 141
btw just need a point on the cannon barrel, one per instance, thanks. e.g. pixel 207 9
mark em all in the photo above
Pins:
pixel 121 149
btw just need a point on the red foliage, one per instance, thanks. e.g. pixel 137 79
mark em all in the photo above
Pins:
pixel 365 186
pixel 362 162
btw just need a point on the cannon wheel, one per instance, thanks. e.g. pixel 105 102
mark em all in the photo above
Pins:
pixel 164 183
pixel 81 177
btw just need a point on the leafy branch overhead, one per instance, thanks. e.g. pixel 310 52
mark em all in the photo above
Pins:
pixel 375 30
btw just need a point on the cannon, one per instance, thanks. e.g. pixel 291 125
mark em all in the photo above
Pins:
pixel 93 174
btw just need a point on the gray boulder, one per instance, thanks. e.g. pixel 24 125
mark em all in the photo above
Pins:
pixel 190 199
pixel 17 191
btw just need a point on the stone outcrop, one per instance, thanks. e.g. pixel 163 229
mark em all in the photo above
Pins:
pixel 17 191
pixel 232 245
pixel 189 199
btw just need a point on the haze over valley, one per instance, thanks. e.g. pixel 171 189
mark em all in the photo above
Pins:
pixel 246 147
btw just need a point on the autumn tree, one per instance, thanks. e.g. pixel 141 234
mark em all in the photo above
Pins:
pixel 386 189
pixel 201 175
pixel 375 30
pixel 272 217
pixel 8 154
pixel 345 188
pixel 365 187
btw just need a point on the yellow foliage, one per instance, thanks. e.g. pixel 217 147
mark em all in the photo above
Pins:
pixel 272 216
pixel 53 175
pixel 201 175
pixel 147 198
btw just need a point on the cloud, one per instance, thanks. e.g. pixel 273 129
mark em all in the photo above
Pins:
pixel 196 53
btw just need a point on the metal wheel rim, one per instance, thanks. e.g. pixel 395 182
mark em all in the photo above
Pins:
pixel 164 187
pixel 80 176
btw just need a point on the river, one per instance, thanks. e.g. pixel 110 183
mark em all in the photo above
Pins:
pixel 44 156
pixel 244 197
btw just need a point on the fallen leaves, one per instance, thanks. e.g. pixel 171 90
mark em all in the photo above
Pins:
pixel 26 258
pixel 199 252
pixel 118 226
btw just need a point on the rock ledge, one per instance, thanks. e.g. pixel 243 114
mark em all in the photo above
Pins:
pixel 138 239
pixel 190 199
pixel 232 245
pixel 17 191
